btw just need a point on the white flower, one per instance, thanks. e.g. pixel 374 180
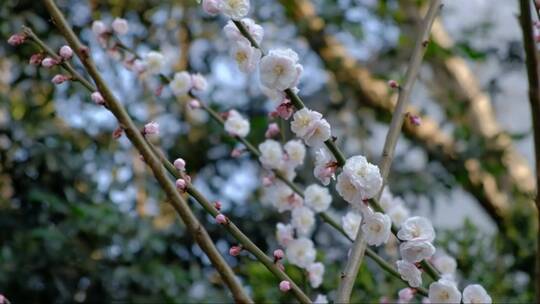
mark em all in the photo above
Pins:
pixel 350 223
pixel 444 291
pixel 476 294
pixel 236 125
pixel 405 295
pixel 246 56
pixel 280 69
pixel 181 83
pixel 256 31
pixel 321 299
pixel 315 274
pixel 317 197
pixel 198 82
pixel 416 251
pixel 324 166
pixel 398 214
pixel 410 273
pixel 445 264
pixel 271 154
pixel 296 152
pixel 284 234
pixel 376 228
pixel 416 227
pixel 303 219
pixel 120 26
pixel 311 127
pixel 363 177
pixel 300 252
pixel 99 28
pixel 154 62
pixel 284 198
pixel 235 9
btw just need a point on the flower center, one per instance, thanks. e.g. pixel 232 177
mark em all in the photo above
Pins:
pixel 279 69
pixel 241 57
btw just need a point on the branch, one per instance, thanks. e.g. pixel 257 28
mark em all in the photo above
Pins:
pixel 137 139
pixel 357 253
pixel 533 76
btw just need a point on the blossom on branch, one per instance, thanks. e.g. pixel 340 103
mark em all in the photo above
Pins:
pixel 279 70
pixel 236 125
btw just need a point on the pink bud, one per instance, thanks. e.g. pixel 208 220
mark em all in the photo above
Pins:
pixel 181 184
pixel 211 7
pixel 59 78
pixel 97 98
pixel 278 254
pixel 66 52
pixel 280 266
pixel 285 109
pixel 267 181
pixel 393 84
pixel 36 58
pixel 194 104
pixel 99 28
pixel 16 39
pixel 117 133
pixel 49 62
pixel 221 219
pixel 180 164
pixel 151 128
pixel 406 295
pixel 3 299
pixel 236 153
pixel 272 131
pixel 285 286
pixel 415 120
pixel 217 205
pixel 235 250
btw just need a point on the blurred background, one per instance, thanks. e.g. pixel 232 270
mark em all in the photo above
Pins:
pixel 82 219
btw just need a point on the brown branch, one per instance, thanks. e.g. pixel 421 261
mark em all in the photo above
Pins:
pixel 532 64
pixel 137 139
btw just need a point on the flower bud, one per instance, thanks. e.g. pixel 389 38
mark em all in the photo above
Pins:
pixel 120 26
pixel 278 254
pixel 198 82
pixel 99 28
pixel 194 104
pixel 16 39
pixel 393 84
pixel 180 164
pixel 236 153
pixel 217 205
pixel 181 184
pixel 285 109
pixel 59 78
pixel 211 7
pixel 97 98
pixel 151 128
pixel 272 131
pixel 415 120
pixel 66 52
pixel 36 59
pixel 285 286
pixel 49 62
pixel 235 250
pixel 221 219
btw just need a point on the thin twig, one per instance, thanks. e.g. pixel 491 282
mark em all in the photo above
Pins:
pixel 137 139
pixel 532 64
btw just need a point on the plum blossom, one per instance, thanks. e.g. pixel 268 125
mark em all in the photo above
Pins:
pixel 284 286
pixel 49 62
pixel 311 127
pixel 271 154
pixel 99 28
pixel 255 31
pixel 376 228
pixel 198 82
pixel 296 152
pixel 180 164
pixel 416 227
pixel 444 291
pixel 325 166
pixel 278 254
pixel 246 56
pixel 59 79
pixel 16 39
pixel 317 197
pixel 66 52
pixel 416 250
pixel 350 223
pixel 272 130
pixel 234 9
pixel 284 234
pixel 360 180
pixel 120 26
pixel 303 220
pixel 153 62
pixel 445 264
pixel 97 98
pixel 300 252
pixel 221 219
pixel 151 128
pixel 236 125
pixel 211 7
pixel 235 250
pixel 410 273
pixel 476 294
pixel 398 214
pixel 280 70
pixel 282 197
pixel 406 295
pixel 315 274
pixel 181 83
